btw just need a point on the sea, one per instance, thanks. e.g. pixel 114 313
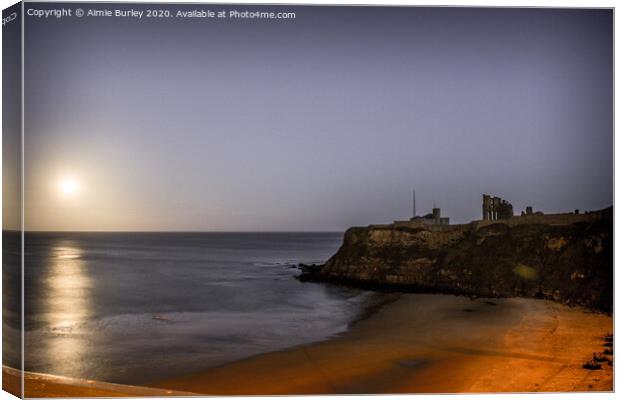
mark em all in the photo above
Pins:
pixel 135 308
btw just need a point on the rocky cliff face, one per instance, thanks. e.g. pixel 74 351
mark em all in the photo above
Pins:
pixel 569 263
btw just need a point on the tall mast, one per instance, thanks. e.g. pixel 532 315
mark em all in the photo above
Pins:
pixel 414 214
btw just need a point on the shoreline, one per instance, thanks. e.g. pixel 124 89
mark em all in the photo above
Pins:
pixel 404 343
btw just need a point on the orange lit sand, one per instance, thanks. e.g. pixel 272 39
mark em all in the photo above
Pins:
pixel 429 343
pixel 43 385
pixel 415 344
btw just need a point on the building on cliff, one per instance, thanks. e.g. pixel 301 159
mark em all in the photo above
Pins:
pixel 530 211
pixel 495 208
pixel 433 218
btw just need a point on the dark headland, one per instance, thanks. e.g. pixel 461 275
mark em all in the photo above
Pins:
pixel 567 258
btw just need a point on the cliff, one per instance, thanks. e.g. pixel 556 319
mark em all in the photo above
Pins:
pixel 570 262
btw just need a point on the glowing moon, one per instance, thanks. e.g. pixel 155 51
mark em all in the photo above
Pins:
pixel 68 187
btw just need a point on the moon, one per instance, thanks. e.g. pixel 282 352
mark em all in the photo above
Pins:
pixel 68 187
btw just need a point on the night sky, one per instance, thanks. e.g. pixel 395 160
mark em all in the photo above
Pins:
pixel 317 123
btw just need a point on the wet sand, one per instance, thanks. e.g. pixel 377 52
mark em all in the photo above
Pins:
pixel 413 344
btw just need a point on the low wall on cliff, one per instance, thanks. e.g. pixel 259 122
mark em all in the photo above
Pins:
pixel 570 262
pixel 549 219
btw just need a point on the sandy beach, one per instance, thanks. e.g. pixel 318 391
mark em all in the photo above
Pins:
pixel 406 346
pixel 498 345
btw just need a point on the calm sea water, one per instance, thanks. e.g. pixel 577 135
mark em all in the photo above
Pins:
pixel 137 307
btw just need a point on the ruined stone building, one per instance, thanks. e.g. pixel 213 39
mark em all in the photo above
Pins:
pixel 529 211
pixel 434 218
pixel 495 208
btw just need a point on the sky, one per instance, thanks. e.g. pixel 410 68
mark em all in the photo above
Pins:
pixel 319 123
